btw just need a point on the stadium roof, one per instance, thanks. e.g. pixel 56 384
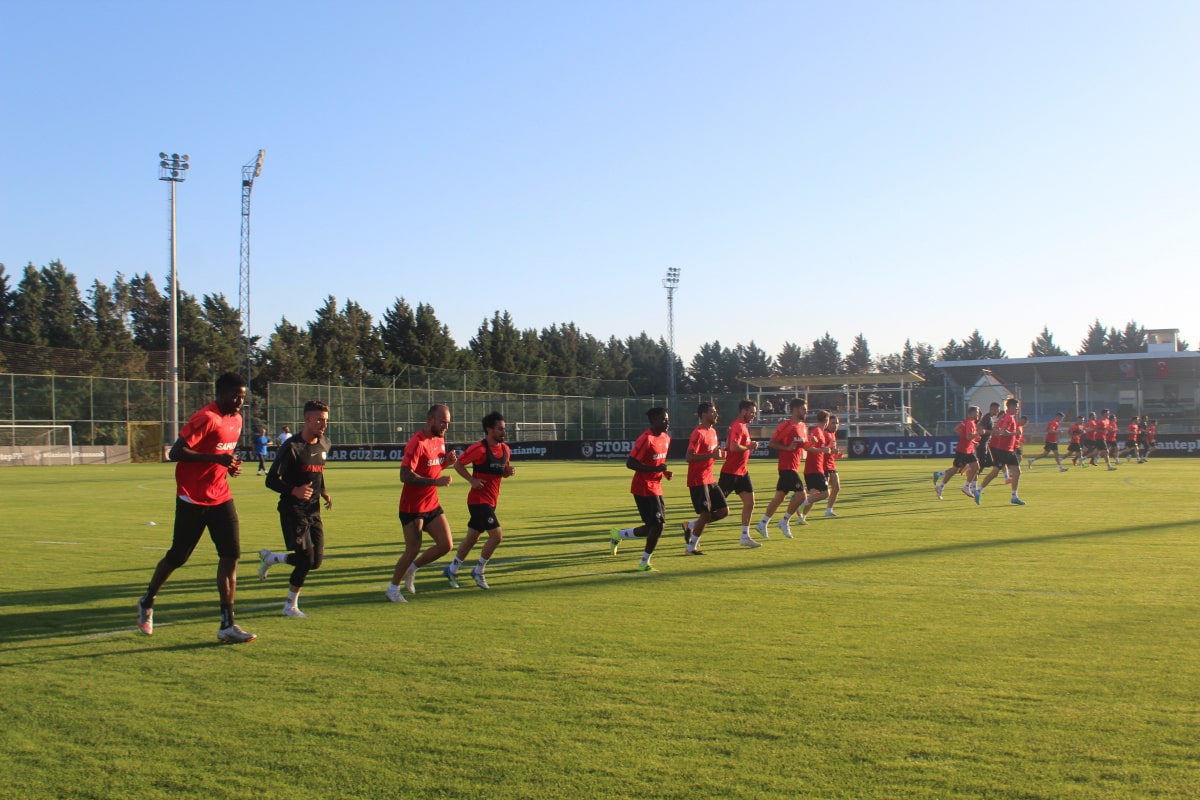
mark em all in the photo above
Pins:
pixel 1056 369
pixel 871 379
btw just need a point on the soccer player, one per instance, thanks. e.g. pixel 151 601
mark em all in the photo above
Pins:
pixel 205 455
pixel 735 477
pixel 298 474
pixel 708 500
pixel 1112 432
pixel 1131 442
pixel 1090 429
pixel 965 460
pixel 283 436
pixel 1003 445
pixel 648 460
pixel 261 443
pixel 831 473
pixel 985 432
pixel 1075 447
pixel 816 449
pixel 1151 438
pixel 1051 445
pixel 425 456
pixel 490 459
pixel 788 440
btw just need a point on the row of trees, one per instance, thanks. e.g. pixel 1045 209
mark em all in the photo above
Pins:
pixel 117 324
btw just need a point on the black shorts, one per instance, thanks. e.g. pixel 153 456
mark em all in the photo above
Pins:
pixel 483 517
pixel 190 522
pixel 1004 458
pixel 707 498
pixel 789 481
pixel 1073 447
pixel 735 484
pixel 302 527
pixel 426 517
pixel 1050 447
pixel 963 459
pixel 816 482
pixel 651 509
pixel 1131 444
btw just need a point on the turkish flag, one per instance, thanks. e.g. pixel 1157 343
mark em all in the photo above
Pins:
pixel 1162 369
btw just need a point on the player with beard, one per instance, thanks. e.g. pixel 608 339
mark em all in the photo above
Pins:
pixel 425 456
pixel 490 460
pixel 298 474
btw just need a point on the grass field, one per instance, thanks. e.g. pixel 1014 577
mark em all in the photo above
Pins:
pixel 909 649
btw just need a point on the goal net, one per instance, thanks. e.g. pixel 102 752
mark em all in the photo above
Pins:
pixel 37 444
pixel 536 431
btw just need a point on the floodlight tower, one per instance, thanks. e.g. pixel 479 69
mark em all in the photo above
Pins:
pixel 250 170
pixel 671 283
pixel 173 169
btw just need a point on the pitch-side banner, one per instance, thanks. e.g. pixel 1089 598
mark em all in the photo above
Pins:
pixel 1183 445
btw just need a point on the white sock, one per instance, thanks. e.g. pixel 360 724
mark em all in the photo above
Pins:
pixel 690 523
pixel 482 563
pixel 292 598
pixel 645 558
pixel 746 531
pixel 625 533
pixel 786 517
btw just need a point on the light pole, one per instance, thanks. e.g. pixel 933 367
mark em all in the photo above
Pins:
pixel 250 170
pixel 173 169
pixel 671 283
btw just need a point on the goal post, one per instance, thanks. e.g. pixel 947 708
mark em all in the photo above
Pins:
pixel 41 444
pixel 535 431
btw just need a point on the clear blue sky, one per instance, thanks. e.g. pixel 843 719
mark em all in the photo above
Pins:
pixel 809 166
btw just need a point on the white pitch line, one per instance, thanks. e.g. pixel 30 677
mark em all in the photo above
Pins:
pixel 105 634
pixel 59 542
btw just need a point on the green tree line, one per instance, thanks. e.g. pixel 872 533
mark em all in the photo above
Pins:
pixel 117 324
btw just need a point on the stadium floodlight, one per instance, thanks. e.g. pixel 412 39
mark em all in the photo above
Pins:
pixel 173 169
pixel 250 170
pixel 671 283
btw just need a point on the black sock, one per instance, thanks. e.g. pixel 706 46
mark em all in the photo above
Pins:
pixel 146 602
pixel 226 615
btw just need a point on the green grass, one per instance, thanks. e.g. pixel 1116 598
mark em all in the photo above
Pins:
pixel 909 649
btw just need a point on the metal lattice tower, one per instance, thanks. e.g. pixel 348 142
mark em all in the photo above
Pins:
pixel 250 171
pixel 671 283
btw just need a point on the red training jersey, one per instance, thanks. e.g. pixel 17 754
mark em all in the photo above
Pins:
pixel 1005 433
pixel 831 457
pixel 968 435
pixel 735 463
pixel 703 440
pixel 814 463
pixel 477 455
pixel 786 433
pixel 424 455
pixel 1076 432
pixel 652 450
pixel 208 431
pixel 1052 431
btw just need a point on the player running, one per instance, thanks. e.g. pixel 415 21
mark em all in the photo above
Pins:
pixel 708 500
pixel 965 459
pixel 490 463
pixel 788 440
pixel 1050 448
pixel 648 460
pixel 735 477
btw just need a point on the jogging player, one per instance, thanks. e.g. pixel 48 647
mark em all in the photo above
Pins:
pixel 425 456
pixel 205 455
pixel 965 459
pixel 648 460
pixel 490 460
pixel 708 501
pixel 1050 448
pixel 1003 447
pixel 819 446
pixel 298 474
pixel 735 476
pixel 788 441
